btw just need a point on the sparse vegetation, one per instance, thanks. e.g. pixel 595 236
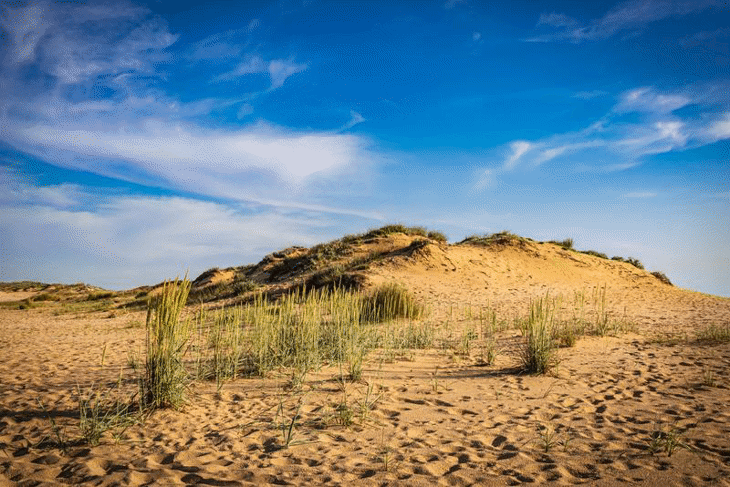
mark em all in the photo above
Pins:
pixel 594 253
pixel 504 237
pixel 662 277
pixel 567 243
pixel 437 236
pixel 714 334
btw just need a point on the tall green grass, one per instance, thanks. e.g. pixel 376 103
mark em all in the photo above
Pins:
pixel 168 337
pixel 539 350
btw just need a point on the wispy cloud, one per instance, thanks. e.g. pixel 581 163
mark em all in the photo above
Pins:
pixel 135 131
pixel 622 144
pixel 589 95
pixel 632 15
pixel 449 4
pixel 125 241
pixel 355 119
pixel 519 149
pixel 278 70
pixel 640 194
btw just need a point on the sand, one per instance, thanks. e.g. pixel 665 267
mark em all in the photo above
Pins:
pixel 430 417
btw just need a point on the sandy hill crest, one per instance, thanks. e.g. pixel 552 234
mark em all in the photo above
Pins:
pixel 503 271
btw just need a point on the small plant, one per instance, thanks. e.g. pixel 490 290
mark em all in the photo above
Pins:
pixel 547 437
pixel 489 351
pixel 288 431
pixel 99 413
pixel 708 377
pixel 57 430
pixel 668 439
pixel 635 262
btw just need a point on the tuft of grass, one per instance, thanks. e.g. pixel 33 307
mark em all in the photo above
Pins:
pixel 437 236
pixel 708 377
pixel 504 237
pixel 168 337
pixel 567 243
pixel 662 277
pixel 547 437
pixel 539 350
pixel 390 301
pixel 714 334
pixel 635 262
pixel 594 254
pixel 668 439
pixel 100 412
pixel 99 295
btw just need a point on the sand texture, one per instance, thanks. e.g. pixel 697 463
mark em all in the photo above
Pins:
pixel 649 405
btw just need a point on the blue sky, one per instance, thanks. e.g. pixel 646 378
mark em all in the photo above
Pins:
pixel 138 140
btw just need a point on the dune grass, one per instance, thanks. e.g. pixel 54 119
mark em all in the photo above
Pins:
pixel 539 350
pixel 168 338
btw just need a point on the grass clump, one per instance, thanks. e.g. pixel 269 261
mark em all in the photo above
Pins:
pixel 539 351
pixel 437 236
pixel 635 262
pixel 567 243
pixel 714 334
pixel 504 237
pixel 168 337
pixel 390 301
pixel 662 277
pixel 594 253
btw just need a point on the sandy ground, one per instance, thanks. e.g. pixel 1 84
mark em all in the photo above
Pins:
pixel 431 417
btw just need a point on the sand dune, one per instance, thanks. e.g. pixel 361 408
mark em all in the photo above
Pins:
pixel 425 417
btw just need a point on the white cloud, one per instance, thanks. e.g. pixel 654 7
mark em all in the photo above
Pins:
pixel 180 151
pixel 519 148
pixel 720 130
pixel 130 241
pixel 485 178
pixel 476 36
pixel 640 194
pixel 619 144
pixel 244 111
pixel 631 15
pixel 279 70
pixel 26 25
pixel 646 99
pixel 355 118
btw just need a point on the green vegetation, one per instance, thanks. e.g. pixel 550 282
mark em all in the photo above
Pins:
pixel 662 277
pixel 594 253
pixel 388 302
pixel 567 243
pixel 437 236
pixel 539 350
pixel 500 238
pixel 168 337
pixel 714 334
